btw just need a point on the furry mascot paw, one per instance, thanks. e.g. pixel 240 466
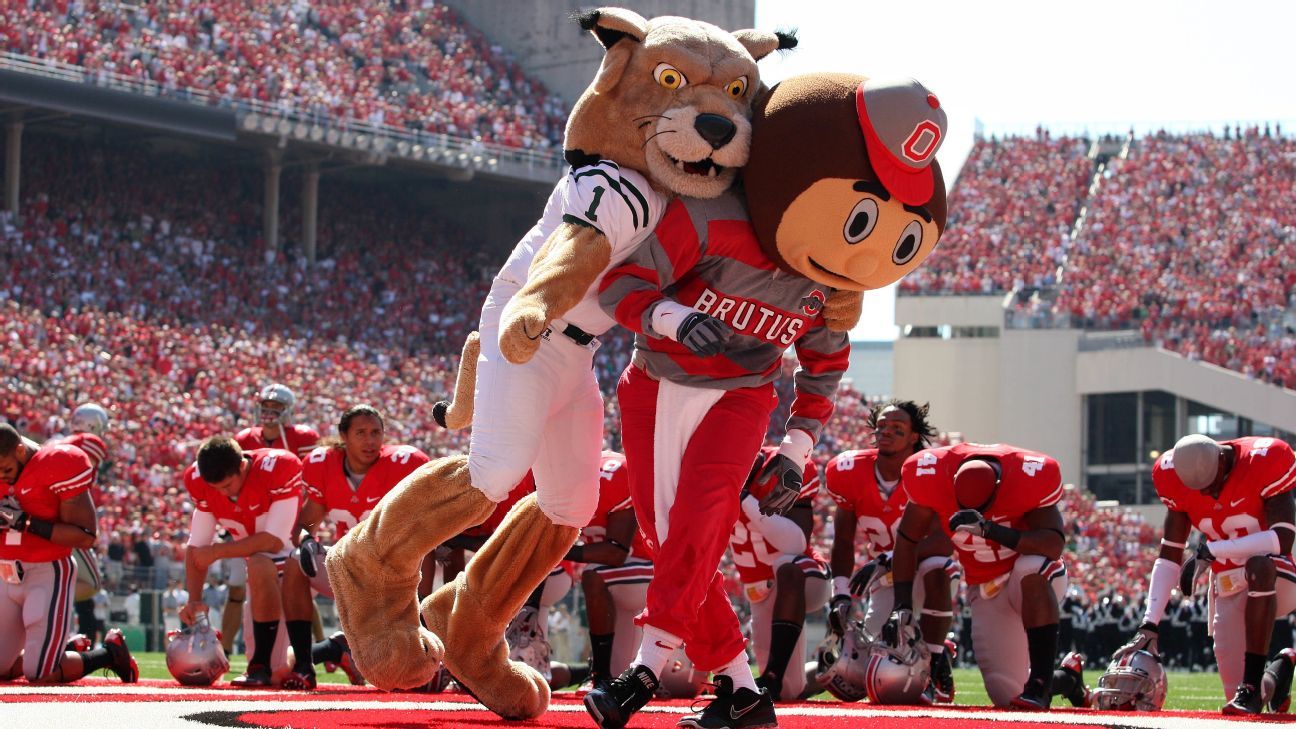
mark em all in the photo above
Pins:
pixel 374 571
pixel 842 310
pixel 523 322
pixel 473 610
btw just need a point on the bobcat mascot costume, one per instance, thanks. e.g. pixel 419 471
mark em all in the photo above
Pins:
pixel 667 114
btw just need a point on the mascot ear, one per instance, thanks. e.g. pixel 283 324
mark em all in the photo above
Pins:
pixel 610 25
pixel 760 43
pixel 617 30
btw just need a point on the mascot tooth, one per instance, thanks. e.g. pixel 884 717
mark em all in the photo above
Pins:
pixel 667 114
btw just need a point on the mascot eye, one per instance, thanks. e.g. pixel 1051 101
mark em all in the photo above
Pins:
pixel 669 77
pixel 737 87
pixel 861 220
pixel 910 241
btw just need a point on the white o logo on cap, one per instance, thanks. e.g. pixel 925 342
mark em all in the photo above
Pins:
pixel 922 141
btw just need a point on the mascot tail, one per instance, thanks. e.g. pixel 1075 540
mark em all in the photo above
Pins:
pixel 458 413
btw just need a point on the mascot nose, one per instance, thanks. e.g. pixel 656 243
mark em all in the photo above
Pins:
pixel 715 129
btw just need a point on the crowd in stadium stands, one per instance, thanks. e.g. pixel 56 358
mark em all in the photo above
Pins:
pixel 414 65
pixel 170 240
pixel 1010 216
pixel 1178 241
pixel 1182 240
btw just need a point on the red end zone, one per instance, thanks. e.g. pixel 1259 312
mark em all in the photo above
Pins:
pixel 97 702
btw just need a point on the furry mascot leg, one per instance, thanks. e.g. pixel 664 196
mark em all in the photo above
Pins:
pixel 380 558
pixel 472 612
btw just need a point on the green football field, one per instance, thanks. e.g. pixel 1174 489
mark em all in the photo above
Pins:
pixel 1189 691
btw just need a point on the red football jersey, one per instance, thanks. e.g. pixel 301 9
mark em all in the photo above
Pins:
pixel 1028 481
pixel 275 475
pixel 54 473
pixel 1262 468
pixel 851 480
pixel 488 527
pixel 614 496
pixel 91 444
pixel 296 438
pixel 752 555
pixel 327 484
pixel 94 448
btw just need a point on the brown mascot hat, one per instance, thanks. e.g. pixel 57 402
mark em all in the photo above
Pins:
pixel 842 183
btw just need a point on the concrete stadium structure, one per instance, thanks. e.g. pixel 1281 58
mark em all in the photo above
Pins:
pixel 1102 403
pixel 552 48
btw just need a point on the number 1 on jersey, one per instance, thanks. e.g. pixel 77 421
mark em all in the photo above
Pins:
pixel 598 195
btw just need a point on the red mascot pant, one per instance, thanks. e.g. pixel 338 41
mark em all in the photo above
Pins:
pixel 688 451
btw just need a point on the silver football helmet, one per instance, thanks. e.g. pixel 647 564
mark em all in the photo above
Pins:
pixel 1135 681
pixel 842 664
pixel 89 418
pixel 897 676
pixel 527 642
pixel 194 655
pixel 278 394
pixel 680 680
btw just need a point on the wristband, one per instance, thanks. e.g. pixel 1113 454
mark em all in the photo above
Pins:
pixel 1006 536
pixel 841 586
pixel 1150 627
pixel 39 527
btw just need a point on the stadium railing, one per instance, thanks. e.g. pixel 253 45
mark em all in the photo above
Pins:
pixel 260 117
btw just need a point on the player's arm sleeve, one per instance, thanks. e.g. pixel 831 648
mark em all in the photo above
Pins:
pixel 780 532
pixel 202 529
pixel 75 473
pixel 1050 484
pixel 1282 467
pixel 824 356
pixel 312 479
pixel 281 519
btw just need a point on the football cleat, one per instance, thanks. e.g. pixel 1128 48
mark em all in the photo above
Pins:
pixel 1278 680
pixel 1246 702
pixel 298 681
pixel 79 643
pixel 733 709
pixel 256 676
pixel 612 705
pixel 1034 697
pixel 1073 666
pixel 942 678
pixel 122 663
pixel 348 664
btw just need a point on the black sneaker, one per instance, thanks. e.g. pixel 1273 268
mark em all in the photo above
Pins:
pixel 1278 680
pixel 730 709
pixel 1246 702
pixel 122 663
pixel 612 704
pixel 1034 697
pixel 770 684
pixel 942 678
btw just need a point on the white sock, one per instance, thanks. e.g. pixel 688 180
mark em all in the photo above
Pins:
pixel 739 670
pixel 656 649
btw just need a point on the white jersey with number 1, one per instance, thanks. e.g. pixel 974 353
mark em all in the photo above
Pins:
pixel 617 201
